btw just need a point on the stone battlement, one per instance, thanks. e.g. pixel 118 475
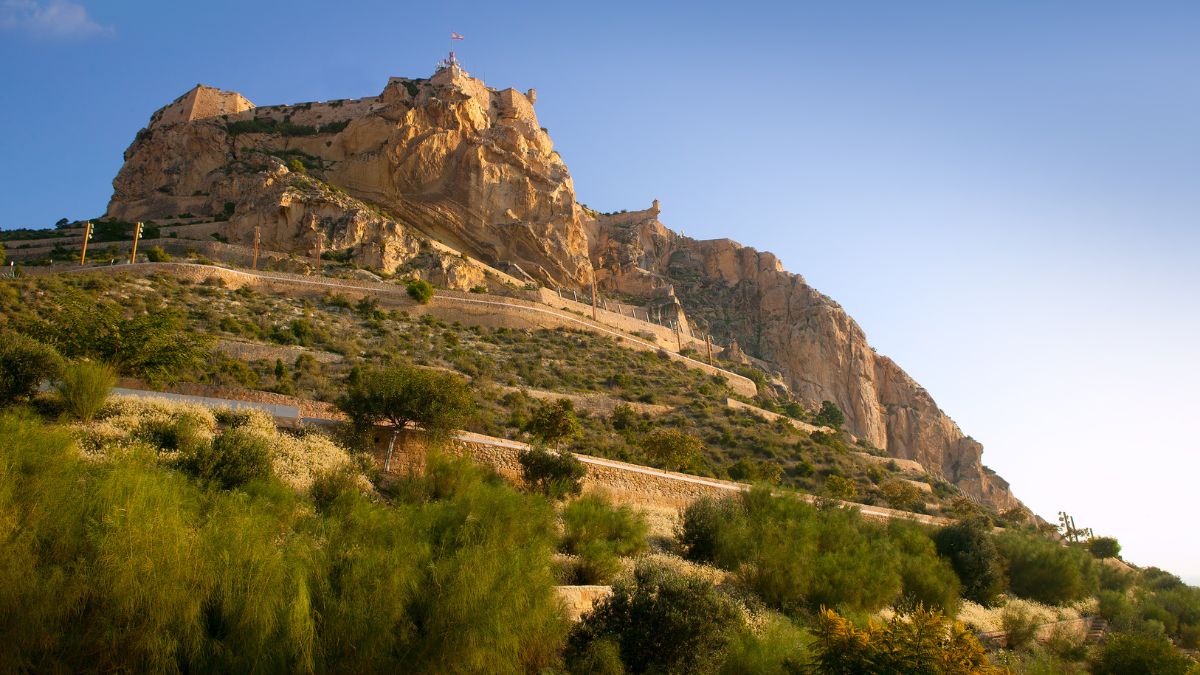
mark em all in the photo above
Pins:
pixel 201 102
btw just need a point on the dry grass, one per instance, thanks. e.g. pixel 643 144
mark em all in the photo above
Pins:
pixel 128 422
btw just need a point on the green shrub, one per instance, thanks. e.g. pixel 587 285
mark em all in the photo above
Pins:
pixel 776 648
pixel 1131 654
pixel 24 363
pixel 84 387
pixel 700 526
pixel 1020 624
pixel 232 460
pixel 420 290
pixel 554 474
pixel 123 565
pixel 829 416
pixel 599 534
pixel 900 494
pixel 973 555
pixel 797 558
pixel 1046 571
pixel 926 579
pixel 692 624
pixel 157 254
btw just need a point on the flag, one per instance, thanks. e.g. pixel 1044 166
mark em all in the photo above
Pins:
pixel 456 36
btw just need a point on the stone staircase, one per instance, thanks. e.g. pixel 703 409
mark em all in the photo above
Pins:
pixel 1096 630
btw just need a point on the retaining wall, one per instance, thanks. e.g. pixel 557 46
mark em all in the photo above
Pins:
pixel 474 308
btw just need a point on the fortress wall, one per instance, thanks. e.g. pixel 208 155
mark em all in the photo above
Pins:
pixel 318 113
pixel 202 103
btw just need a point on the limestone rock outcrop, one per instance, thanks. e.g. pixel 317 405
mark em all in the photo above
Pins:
pixel 408 180
pixel 446 158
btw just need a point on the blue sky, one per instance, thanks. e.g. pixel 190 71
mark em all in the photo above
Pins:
pixel 1004 195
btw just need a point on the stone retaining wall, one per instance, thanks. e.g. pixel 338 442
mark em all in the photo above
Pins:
pixel 471 308
pixel 579 600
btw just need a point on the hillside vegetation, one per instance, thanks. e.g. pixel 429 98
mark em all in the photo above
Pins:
pixel 139 536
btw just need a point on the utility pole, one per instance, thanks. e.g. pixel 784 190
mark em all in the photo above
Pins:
pixel 320 240
pixel 257 236
pixel 708 342
pixel 678 337
pixel 594 318
pixel 137 234
pixel 87 235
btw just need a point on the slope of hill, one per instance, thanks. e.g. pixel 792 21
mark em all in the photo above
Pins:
pixel 382 181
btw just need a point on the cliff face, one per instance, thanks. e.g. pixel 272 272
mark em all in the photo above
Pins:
pixel 742 294
pixel 447 158
pixel 392 180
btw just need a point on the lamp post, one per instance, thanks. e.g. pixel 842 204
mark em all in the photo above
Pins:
pixel 87 236
pixel 137 234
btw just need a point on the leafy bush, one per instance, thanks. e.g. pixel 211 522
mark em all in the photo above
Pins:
pixel 926 579
pixel 84 387
pixel 700 526
pixel 671 448
pixel 157 254
pixel 840 487
pixel 1020 624
pixel 777 647
pixel 973 555
pixel 902 495
pixel 156 346
pixel 24 363
pixel 1131 654
pixel 829 416
pixel 124 565
pixel 919 642
pixel 554 474
pixel 796 557
pixel 232 460
pixel 554 422
pixel 1046 571
pixel 692 624
pixel 421 291
pixel 600 534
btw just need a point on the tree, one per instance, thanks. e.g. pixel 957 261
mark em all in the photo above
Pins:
pixel 1105 547
pixel 436 401
pixel 830 416
pixel 85 387
pixel 973 555
pixel 420 290
pixel 554 474
pixel 671 448
pixel 553 422
pixel 24 363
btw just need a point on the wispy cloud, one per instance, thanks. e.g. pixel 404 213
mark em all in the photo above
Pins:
pixel 53 19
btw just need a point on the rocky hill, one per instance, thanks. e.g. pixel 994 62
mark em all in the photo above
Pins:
pixel 432 173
